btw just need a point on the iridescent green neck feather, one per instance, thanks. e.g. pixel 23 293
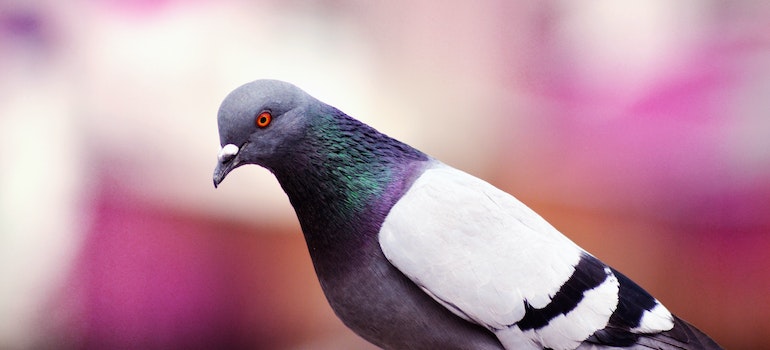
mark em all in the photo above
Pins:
pixel 343 177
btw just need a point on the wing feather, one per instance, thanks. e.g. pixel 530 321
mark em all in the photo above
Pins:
pixel 490 258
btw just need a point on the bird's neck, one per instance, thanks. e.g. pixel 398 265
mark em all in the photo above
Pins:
pixel 343 180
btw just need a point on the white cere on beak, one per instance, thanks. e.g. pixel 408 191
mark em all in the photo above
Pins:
pixel 227 152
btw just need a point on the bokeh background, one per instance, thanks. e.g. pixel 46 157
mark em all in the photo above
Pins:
pixel 641 129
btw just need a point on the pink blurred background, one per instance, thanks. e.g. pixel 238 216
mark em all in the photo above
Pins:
pixel 640 129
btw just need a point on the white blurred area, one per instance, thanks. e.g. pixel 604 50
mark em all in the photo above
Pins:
pixel 128 90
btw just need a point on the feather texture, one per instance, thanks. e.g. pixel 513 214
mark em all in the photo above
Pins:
pixel 402 243
pixel 491 260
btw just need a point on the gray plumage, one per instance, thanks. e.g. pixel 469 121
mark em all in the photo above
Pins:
pixel 372 211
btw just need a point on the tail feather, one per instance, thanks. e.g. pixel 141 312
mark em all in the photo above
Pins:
pixel 683 336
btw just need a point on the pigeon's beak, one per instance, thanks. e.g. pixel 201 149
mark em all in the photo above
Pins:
pixel 226 162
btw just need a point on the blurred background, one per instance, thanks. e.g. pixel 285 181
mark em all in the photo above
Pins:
pixel 640 129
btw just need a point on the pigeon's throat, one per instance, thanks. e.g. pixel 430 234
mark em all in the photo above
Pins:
pixel 339 186
pixel 344 177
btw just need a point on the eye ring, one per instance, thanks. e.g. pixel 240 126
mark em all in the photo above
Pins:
pixel 263 119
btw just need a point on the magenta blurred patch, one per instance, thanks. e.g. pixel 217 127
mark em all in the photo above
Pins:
pixel 151 278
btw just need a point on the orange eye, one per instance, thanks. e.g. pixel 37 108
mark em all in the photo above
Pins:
pixel 263 119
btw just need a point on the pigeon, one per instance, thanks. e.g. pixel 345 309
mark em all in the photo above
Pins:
pixel 414 254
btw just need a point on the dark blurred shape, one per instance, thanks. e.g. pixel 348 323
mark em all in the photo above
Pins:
pixel 25 26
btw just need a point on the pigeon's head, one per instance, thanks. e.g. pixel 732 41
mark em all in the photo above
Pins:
pixel 258 123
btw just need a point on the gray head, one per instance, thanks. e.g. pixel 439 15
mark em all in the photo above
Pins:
pixel 258 122
pixel 341 175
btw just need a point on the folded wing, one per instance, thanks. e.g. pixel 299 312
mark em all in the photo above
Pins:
pixel 493 261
